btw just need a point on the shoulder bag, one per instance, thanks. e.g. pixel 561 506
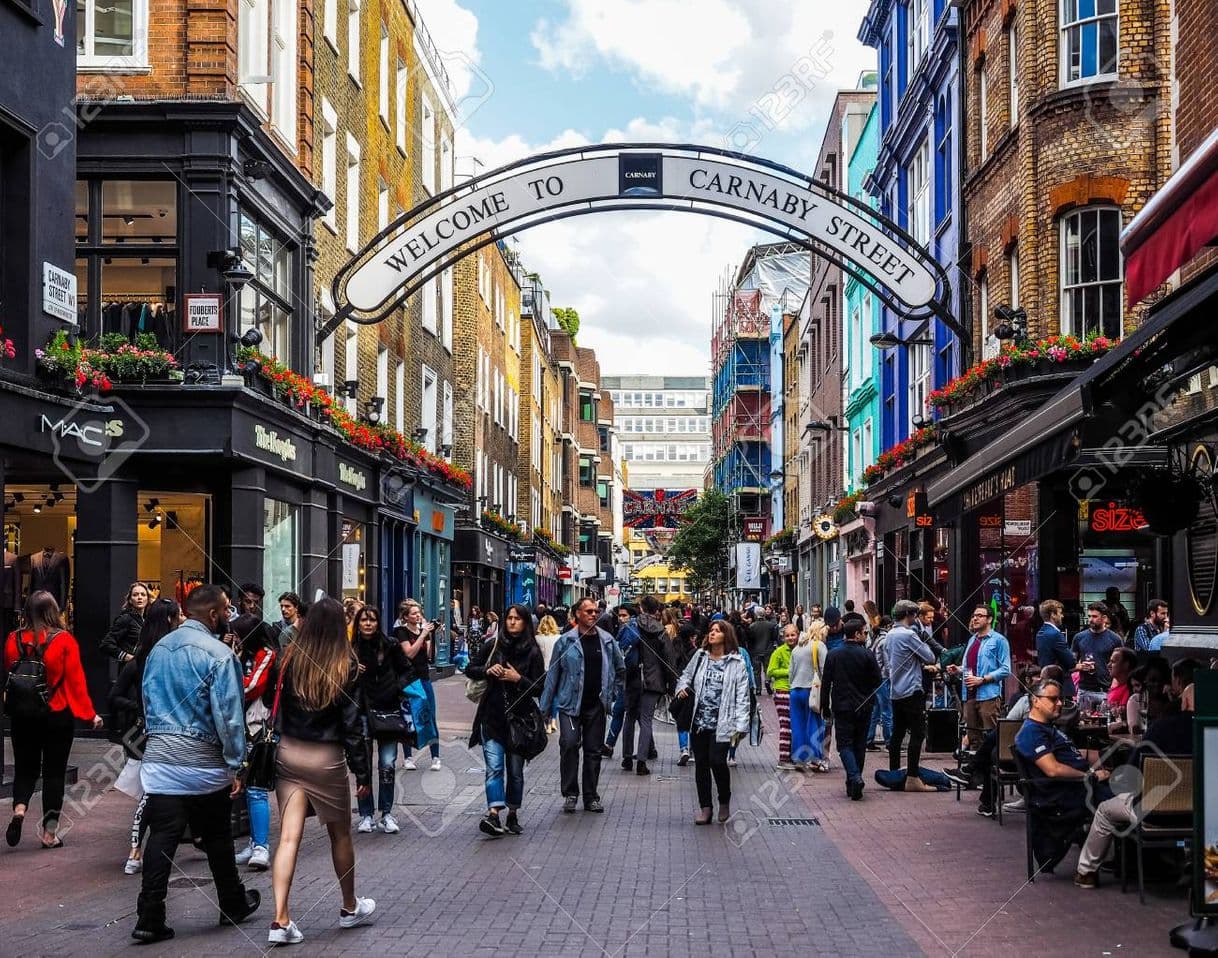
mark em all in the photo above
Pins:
pixel 814 692
pixel 264 748
pixel 476 688
pixel 681 708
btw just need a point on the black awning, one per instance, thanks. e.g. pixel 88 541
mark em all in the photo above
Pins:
pixel 1048 439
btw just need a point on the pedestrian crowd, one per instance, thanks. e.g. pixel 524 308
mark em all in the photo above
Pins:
pixel 215 704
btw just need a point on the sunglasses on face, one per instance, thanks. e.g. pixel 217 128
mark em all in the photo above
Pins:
pixel 1050 698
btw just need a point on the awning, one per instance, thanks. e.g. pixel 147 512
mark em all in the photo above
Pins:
pixel 1177 222
pixel 1048 439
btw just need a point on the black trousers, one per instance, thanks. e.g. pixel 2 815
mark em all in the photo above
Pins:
pixel 710 758
pixel 640 711
pixel 41 748
pixel 210 824
pixel 908 715
pixel 584 731
pixel 852 729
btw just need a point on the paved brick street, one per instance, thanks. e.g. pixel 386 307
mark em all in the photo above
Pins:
pixel 894 875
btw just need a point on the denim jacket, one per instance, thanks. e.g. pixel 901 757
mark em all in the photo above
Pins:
pixel 193 686
pixel 565 679
pixel 993 664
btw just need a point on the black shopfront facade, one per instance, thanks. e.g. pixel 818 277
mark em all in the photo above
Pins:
pixel 480 561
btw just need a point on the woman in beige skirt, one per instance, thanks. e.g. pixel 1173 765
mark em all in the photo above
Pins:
pixel 321 744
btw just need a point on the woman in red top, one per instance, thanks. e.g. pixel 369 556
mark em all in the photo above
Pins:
pixel 41 745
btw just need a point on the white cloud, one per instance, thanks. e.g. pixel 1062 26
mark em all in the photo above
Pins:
pixel 775 66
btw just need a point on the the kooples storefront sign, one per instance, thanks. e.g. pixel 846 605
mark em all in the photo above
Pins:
pixel 350 476
pixel 268 440
pixel 610 177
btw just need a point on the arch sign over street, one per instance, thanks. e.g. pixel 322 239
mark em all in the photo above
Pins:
pixel 649 176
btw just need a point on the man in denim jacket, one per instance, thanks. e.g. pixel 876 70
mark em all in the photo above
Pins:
pixel 194 707
pixel 986 666
pixel 580 683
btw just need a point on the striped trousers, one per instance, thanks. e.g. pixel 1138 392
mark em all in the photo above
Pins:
pixel 782 703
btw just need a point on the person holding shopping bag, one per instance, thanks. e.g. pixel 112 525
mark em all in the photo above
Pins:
pixel 415 639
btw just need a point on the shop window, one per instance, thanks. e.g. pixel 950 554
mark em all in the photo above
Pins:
pixel 112 35
pixel 1088 40
pixel 587 407
pixel 585 471
pixel 1091 272
pixel 265 302
pixel 353 560
pixel 127 258
pixel 280 547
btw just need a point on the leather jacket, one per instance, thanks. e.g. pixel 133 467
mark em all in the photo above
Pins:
pixel 340 721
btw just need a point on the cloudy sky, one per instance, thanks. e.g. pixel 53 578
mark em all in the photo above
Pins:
pixel 533 75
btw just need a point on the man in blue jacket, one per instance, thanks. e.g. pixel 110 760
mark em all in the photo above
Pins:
pixel 1051 646
pixel 585 667
pixel 986 666
pixel 907 654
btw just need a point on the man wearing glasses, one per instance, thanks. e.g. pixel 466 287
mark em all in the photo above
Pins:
pixel 987 663
pixel 1062 775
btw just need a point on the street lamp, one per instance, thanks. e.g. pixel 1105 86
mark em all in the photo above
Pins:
pixel 888 340
pixel 1012 323
pixel 828 426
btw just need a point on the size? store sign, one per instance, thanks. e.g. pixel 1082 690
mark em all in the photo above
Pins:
pixel 1117 518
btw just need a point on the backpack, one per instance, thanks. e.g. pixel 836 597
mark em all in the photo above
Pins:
pixel 26 694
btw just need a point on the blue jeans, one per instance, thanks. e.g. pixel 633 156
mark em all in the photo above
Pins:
pixel 881 714
pixel 683 740
pixel 807 729
pixel 386 758
pixel 260 816
pixel 504 776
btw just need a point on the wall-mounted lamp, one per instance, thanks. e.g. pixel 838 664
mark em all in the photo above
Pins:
pixel 350 387
pixel 372 409
pixel 420 434
pixel 887 340
pixel 1012 323
pixel 231 266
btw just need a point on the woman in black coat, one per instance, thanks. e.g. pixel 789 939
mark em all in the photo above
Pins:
pixel 384 671
pixel 123 637
pixel 514 672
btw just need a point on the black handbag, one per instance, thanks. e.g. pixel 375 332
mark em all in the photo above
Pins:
pixel 390 724
pixel 681 708
pixel 264 749
pixel 527 733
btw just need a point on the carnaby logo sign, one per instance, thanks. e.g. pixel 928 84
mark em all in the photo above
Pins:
pixel 268 440
pixel 640 174
pixel 350 476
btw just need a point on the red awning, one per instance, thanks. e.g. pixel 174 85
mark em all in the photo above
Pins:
pixel 1175 225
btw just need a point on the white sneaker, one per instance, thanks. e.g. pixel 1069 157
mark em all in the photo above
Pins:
pixel 260 859
pixel 389 824
pixel 435 765
pixel 365 825
pixel 133 866
pixel 410 765
pixel 731 763
pixel 364 907
pixel 243 857
pixel 291 935
pixel 1016 806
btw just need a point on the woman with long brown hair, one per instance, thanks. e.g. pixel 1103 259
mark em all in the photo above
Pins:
pixel 122 639
pixel 319 720
pixel 718 680
pixel 42 719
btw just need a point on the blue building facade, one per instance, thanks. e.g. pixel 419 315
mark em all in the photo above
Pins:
pixel 917 183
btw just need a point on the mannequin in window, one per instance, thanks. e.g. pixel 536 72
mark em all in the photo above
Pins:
pixel 49 572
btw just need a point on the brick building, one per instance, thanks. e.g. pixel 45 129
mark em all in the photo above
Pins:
pixel 487 342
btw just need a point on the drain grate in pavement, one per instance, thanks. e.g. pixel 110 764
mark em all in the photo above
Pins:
pixel 667 778
pixel 793 822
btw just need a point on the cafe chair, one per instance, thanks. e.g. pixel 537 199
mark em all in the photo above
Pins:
pixel 1166 819
pixel 1049 830
pixel 1004 771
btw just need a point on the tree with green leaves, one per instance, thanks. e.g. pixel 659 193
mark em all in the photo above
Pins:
pixel 568 320
pixel 700 545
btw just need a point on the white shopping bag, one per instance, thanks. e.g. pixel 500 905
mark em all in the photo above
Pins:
pixel 128 781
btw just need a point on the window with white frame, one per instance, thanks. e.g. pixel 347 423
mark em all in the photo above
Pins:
pixel 1013 275
pixel 446 425
pixel 1089 33
pixel 382 75
pixel 112 35
pixel 1092 272
pixel 399 107
pixel 353 194
pixel 865 339
pixel 918 190
pixel 868 442
pixel 329 25
pixel 856 346
pixel 446 309
pixel 327 358
pixel 382 205
pixel 428 405
pixel 329 161
pixel 446 162
pixel 1013 69
pixel 919 381
pixel 990 344
pixel 351 362
pixel 285 15
pixel 983 118
pixel 353 39
pixel 917 32
pixel 399 397
pixel 856 453
pixel 382 373
pixel 430 312
pixel 427 143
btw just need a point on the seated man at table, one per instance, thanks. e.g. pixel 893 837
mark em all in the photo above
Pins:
pixel 1059 772
pixel 1170 735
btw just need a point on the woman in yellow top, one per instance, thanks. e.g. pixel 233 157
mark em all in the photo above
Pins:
pixel 779 671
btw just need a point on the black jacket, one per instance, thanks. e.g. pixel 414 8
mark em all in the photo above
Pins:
pixel 654 665
pixel 386 672
pixel 123 634
pixel 849 679
pixel 340 721
pixel 501 698
pixel 127 710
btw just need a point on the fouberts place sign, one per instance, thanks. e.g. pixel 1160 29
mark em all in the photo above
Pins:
pixel 648 176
